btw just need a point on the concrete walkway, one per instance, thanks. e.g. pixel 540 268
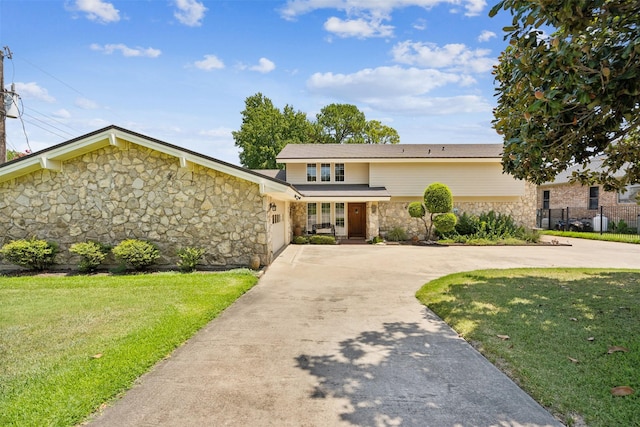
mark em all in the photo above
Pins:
pixel 333 336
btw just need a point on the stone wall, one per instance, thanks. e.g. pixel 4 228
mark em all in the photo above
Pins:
pixel 111 194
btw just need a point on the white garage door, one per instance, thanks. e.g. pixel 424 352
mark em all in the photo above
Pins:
pixel 277 227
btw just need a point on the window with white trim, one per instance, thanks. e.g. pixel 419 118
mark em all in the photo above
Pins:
pixel 339 210
pixel 325 172
pixel 339 172
pixel 312 214
pixel 311 172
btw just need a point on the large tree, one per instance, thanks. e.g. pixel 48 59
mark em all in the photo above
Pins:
pixel 341 124
pixel 266 130
pixel 568 96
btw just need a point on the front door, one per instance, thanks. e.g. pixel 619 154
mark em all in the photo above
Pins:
pixel 357 220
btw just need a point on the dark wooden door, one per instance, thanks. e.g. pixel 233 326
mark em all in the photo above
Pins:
pixel 357 219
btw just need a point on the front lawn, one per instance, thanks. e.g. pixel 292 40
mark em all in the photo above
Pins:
pixel 566 336
pixel 69 344
pixel 608 237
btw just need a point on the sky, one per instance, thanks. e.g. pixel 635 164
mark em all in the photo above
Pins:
pixel 181 70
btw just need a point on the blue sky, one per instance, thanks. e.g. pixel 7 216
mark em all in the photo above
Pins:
pixel 180 70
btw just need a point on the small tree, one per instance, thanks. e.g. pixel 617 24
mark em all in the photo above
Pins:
pixel 438 200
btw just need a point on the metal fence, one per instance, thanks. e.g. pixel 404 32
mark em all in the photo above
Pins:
pixel 605 219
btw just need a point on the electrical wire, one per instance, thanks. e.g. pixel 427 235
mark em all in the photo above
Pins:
pixel 48 124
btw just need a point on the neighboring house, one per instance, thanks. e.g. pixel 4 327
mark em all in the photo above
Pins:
pixel 364 190
pixel 114 184
pixel 585 201
pixel 562 193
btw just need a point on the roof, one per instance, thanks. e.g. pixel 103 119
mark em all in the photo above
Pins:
pixel 279 174
pixel 594 165
pixel 350 192
pixel 389 151
pixel 52 158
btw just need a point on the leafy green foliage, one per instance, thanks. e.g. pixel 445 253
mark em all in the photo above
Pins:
pixel 564 98
pixel 438 198
pixel 396 234
pixel 265 130
pixel 445 222
pixel 139 254
pixel 317 239
pixel 92 254
pixel 438 201
pixel 300 240
pixel 189 258
pixel 489 226
pixel 33 253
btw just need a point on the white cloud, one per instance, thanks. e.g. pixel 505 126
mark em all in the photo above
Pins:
pixel 453 56
pixel 360 28
pixel 33 90
pixel 294 8
pixel 62 114
pixel 210 62
pixel 264 66
pixel 485 36
pixel 382 82
pixel 98 10
pixel 190 12
pixel 221 132
pixel 397 89
pixel 86 104
pixel 127 51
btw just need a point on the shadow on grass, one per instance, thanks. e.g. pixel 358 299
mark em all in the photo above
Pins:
pixel 410 374
pixel 560 324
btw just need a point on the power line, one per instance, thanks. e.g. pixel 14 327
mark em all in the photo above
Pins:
pixel 44 129
pixel 49 124
pixel 52 118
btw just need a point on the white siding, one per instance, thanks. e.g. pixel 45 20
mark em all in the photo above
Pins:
pixel 354 173
pixel 464 179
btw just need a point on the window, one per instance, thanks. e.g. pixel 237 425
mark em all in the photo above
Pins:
pixel 311 172
pixel 326 213
pixel 339 172
pixel 546 195
pixel 340 219
pixel 593 197
pixel 311 215
pixel 325 172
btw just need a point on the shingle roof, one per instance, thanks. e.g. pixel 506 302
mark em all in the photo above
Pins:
pixel 389 151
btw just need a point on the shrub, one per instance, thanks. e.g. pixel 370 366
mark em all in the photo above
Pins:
pixel 376 239
pixel 396 234
pixel 139 254
pixel 490 226
pixel 322 240
pixel 189 258
pixel 31 253
pixel 300 240
pixel 92 255
pixel 445 222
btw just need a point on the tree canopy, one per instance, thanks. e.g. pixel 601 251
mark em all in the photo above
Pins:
pixel 265 130
pixel 574 94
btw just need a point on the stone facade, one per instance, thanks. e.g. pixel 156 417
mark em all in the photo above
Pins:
pixel 113 194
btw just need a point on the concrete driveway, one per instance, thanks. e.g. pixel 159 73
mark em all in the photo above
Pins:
pixel 333 336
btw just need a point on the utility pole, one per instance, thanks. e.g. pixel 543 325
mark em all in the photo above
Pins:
pixel 3 113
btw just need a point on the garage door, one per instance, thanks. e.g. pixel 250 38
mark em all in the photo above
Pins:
pixel 277 227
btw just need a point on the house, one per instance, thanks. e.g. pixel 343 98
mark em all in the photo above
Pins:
pixel 114 184
pixel 364 190
pixel 562 199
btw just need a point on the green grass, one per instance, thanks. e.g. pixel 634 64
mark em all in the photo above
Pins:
pixel 552 315
pixel 69 344
pixel 609 237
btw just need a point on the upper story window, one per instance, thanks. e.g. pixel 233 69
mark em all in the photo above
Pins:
pixel 339 172
pixel 325 172
pixel 311 172
pixel 593 197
